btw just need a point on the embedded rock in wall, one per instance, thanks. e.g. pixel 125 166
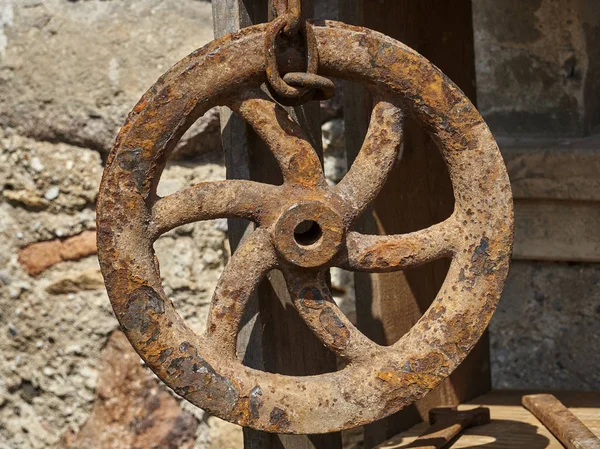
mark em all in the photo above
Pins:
pixel 40 256
pixel 71 71
pixel 132 409
pixel 334 150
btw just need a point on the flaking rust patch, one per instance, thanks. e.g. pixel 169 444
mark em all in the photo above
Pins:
pixel 278 419
pixel 334 327
pixel 141 305
pixel 255 403
pixel 481 262
pixel 399 380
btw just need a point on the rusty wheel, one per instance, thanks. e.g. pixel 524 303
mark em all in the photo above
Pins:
pixel 304 227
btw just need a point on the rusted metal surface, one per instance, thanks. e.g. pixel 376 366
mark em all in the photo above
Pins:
pixel 291 10
pixel 376 381
pixel 446 424
pixel 297 87
pixel 563 424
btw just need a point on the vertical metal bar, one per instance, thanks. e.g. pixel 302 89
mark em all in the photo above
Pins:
pixel 275 339
pixel 228 17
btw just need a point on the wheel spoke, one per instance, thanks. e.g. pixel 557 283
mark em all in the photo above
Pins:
pixel 313 301
pixel 210 200
pixel 296 157
pixel 379 253
pixel 375 160
pixel 246 268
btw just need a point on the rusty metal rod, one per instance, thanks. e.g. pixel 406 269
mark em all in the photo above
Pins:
pixel 563 424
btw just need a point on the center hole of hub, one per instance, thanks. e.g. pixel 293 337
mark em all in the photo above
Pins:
pixel 307 233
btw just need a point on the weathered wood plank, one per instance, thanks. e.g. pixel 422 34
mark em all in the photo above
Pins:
pixel 228 17
pixel 417 194
pixel 274 339
pixel 553 169
pixel 565 231
pixel 512 426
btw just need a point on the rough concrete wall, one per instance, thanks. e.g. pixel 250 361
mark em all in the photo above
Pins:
pixel 545 332
pixel 538 74
pixel 591 27
pixel 533 65
pixel 69 73
pixel 71 70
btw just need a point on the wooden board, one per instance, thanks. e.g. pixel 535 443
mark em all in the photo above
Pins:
pixel 417 194
pixel 566 231
pixel 553 169
pixel 512 426
pixel 273 338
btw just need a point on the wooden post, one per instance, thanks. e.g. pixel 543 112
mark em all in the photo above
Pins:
pixel 274 338
pixel 417 195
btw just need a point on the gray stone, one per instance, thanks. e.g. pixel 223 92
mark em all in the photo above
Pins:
pixel 71 71
pixel 5 278
pixel 335 159
pixel 52 193
pixel 534 74
pixel 76 282
pixel 333 136
pixel 545 332
pixel 36 164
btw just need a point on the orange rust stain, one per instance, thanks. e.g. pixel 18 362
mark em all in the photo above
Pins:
pixel 403 380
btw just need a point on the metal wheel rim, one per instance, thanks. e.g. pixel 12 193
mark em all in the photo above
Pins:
pixel 386 380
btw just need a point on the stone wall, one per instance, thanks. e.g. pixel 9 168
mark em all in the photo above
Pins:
pixel 70 71
pixel 545 333
pixel 536 70
pixel 538 76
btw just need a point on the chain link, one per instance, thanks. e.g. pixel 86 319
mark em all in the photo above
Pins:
pixel 294 88
pixel 292 11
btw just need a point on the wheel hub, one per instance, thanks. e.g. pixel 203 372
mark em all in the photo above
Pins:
pixel 308 234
